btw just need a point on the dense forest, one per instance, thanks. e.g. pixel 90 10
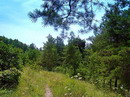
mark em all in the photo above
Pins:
pixel 13 56
pixel 105 61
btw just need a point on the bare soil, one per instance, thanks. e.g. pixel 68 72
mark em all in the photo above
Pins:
pixel 48 92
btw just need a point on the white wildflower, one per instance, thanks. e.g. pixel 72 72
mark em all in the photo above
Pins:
pixel 72 77
pixel 80 78
pixel 121 87
pixel 78 74
pixel 65 87
pixel 68 89
pixel 65 94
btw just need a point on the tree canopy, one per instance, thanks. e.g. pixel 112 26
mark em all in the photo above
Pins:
pixel 63 13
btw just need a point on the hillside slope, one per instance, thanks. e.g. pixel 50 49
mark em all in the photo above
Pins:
pixel 34 83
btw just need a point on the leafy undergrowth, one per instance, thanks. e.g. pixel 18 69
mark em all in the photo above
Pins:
pixel 33 82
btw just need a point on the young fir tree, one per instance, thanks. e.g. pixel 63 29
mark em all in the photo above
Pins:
pixel 50 55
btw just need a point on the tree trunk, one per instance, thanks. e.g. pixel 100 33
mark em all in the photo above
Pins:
pixel 110 83
pixel 116 81
pixel 74 71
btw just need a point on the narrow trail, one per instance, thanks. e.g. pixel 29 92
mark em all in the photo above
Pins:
pixel 48 92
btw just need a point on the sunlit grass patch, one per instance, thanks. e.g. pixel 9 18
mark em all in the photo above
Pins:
pixel 32 83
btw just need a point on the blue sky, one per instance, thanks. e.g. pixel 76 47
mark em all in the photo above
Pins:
pixel 16 24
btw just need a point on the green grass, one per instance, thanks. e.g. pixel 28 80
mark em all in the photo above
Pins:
pixel 33 82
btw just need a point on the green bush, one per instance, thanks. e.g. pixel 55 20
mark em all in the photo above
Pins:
pixel 9 78
pixel 35 66
pixel 60 69
pixel 66 70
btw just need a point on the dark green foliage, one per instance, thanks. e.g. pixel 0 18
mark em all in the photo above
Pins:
pixel 50 54
pixel 63 13
pixel 10 64
pixel 14 43
pixel 24 58
pixel 100 42
pixel 9 57
pixel 108 63
pixel 105 61
pixel 76 41
pixel 80 44
pixel 13 56
pixel 9 78
pixel 72 57
pixel 59 45
pixel 32 46
pixel 32 55
pixel 125 65
pixel 116 23
pixel 17 44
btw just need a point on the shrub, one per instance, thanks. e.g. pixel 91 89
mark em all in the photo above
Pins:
pixel 9 78
pixel 60 69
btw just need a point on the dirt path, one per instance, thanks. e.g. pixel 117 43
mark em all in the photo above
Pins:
pixel 48 92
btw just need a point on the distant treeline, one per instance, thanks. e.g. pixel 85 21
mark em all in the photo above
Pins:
pixel 16 43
